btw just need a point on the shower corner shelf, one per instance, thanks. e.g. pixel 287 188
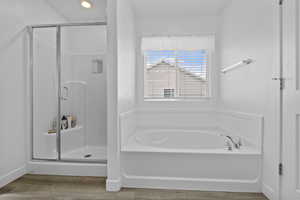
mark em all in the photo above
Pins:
pixel 70 130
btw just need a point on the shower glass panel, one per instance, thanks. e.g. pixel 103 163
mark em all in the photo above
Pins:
pixel 83 93
pixel 44 92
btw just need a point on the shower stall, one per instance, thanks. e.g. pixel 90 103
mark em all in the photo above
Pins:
pixel 68 92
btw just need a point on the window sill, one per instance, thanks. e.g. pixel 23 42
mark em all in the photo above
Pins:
pixel 178 100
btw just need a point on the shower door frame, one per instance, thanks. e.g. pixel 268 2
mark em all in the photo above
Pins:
pixel 59 95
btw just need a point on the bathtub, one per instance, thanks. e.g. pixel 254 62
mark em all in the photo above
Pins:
pixel 189 159
pixel 186 141
pixel 179 139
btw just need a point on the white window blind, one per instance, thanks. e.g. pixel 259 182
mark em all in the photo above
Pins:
pixel 176 67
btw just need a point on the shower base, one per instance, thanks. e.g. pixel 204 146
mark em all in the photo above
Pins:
pixel 88 153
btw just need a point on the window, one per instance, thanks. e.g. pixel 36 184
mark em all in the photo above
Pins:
pixel 174 69
pixel 176 74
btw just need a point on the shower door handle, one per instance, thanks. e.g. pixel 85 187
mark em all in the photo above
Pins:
pixel 65 93
pixel 282 82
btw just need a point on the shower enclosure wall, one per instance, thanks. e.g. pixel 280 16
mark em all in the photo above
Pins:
pixel 68 69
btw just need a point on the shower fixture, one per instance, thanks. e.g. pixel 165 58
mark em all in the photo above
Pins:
pixel 97 66
pixel 239 64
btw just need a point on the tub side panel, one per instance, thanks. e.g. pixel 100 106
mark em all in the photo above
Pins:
pixel 192 171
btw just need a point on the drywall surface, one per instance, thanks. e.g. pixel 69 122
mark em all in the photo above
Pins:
pixel 122 63
pixel 177 25
pixel 126 56
pixel 113 182
pixel 249 33
pixel 15 16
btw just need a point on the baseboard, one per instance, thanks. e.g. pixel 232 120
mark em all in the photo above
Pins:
pixel 113 185
pixel 191 184
pixel 12 175
pixel 67 169
pixel 268 191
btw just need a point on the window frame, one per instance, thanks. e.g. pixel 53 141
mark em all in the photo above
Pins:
pixel 158 99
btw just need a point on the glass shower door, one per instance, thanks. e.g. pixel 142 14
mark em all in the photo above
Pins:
pixel 83 93
pixel 44 93
pixel 68 92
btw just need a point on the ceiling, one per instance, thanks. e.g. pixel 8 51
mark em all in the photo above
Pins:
pixel 171 8
pixel 72 11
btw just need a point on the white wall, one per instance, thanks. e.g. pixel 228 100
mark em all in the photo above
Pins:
pixel 177 25
pixel 126 59
pixel 122 55
pixel 14 16
pixel 126 56
pixel 248 30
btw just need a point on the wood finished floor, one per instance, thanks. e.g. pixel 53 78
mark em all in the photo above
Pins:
pixel 33 187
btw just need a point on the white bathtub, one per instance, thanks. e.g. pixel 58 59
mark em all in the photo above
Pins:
pixel 179 139
pixel 189 159
pixel 185 141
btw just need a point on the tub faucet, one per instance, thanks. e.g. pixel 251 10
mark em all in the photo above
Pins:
pixel 229 145
pixel 238 144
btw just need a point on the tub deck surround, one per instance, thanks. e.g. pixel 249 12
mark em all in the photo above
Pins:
pixel 158 153
pixel 186 141
pixel 247 125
